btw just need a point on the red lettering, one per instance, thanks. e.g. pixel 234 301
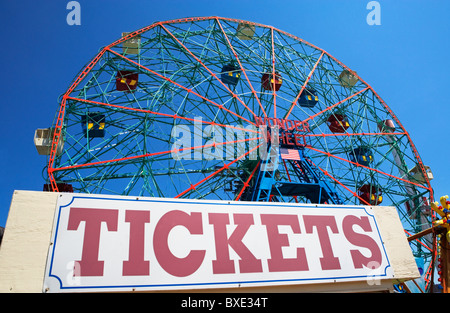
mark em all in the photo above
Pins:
pixel 298 126
pixel 288 139
pixel 299 140
pixel 276 241
pixel 223 264
pixel 361 240
pixel 258 121
pixel 290 125
pixel 89 264
pixel 286 125
pixel 281 123
pixel 173 265
pixel 136 265
pixel 268 121
pixel 306 127
pixel 302 126
pixel 321 222
pixel 365 253
pixel 282 138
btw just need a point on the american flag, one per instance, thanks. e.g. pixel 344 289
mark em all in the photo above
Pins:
pixel 290 154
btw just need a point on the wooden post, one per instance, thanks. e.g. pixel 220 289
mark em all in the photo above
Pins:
pixel 444 263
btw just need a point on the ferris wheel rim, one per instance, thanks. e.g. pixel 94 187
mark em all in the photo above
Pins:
pixel 108 49
pixel 87 69
pixel 67 97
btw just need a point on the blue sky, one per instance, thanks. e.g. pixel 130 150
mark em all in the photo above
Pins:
pixel 405 59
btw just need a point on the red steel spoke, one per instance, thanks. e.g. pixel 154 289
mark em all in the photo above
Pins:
pixel 212 74
pixel 216 172
pixel 274 93
pixel 353 134
pixel 337 181
pixel 289 177
pixel 336 104
pixel 174 116
pixel 427 275
pixel 60 119
pixel 146 155
pixel 418 240
pixel 242 68
pixel 246 184
pixel 303 87
pixel 413 147
pixel 369 168
pixel 220 106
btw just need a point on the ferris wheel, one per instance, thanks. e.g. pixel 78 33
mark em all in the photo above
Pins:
pixel 218 108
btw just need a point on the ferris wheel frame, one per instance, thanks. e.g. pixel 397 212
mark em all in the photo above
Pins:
pixel 278 113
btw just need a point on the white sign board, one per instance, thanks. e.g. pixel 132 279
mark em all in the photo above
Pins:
pixel 107 243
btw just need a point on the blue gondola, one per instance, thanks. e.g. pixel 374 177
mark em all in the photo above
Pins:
pixel 93 125
pixel 308 98
pixel 230 75
pixel 361 155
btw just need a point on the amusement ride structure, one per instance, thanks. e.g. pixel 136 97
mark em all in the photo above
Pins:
pixel 219 108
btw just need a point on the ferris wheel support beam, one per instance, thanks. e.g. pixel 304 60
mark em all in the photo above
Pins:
pixel 352 134
pixel 247 182
pixel 225 166
pixel 242 68
pixel 363 166
pixel 60 119
pixel 209 71
pixel 168 74
pixel 146 155
pixel 220 106
pixel 174 116
pixel 413 147
pixel 274 93
pixel 294 103
pixel 345 187
pixel 131 35
pixel 335 105
pixel 410 189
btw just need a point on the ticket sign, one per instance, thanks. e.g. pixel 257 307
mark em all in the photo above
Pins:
pixel 106 243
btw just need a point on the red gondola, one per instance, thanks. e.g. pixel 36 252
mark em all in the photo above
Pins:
pixel 126 80
pixel 370 194
pixel 338 123
pixel 267 81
